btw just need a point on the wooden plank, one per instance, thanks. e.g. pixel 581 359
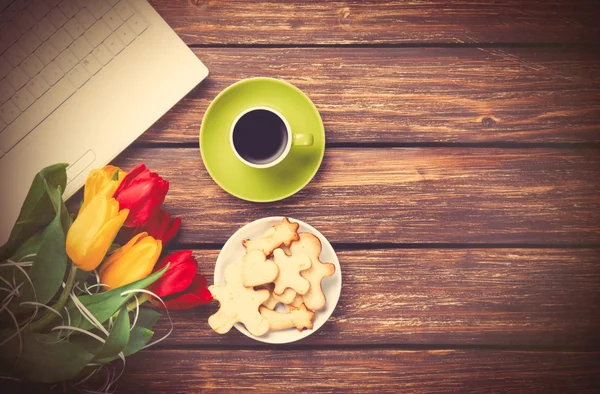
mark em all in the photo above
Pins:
pixel 402 195
pixel 391 95
pixel 379 22
pixel 360 370
pixel 482 297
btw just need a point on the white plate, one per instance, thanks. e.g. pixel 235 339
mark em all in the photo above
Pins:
pixel 234 251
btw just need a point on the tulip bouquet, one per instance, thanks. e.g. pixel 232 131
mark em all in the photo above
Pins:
pixel 71 294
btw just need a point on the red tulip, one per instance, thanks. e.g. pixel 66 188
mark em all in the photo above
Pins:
pixel 161 227
pixel 196 294
pixel 142 192
pixel 180 286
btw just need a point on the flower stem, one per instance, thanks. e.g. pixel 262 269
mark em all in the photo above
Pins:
pixel 60 303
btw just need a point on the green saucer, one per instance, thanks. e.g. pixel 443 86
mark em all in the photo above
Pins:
pixel 267 184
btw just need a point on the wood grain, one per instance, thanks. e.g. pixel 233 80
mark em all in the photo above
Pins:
pixel 422 95
pixel 394 195
pixel 379 22
pixel 499 297
pixel 360 371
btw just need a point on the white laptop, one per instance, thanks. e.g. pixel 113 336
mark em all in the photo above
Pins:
pixel 80 80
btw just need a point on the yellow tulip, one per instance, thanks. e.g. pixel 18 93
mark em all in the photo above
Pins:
pixel 100 181
pixel 94 230
pixel 134 261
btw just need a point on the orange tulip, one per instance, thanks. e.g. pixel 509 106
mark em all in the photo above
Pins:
pixel 93 231
pixel 104 181
pixel 134 261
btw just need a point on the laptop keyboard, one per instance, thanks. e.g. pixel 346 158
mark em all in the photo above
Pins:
pixel 51 48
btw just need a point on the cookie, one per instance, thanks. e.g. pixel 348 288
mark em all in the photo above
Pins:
pixel 309 244
pixel 271 303
pixel 238 304
pixel 289 272
pixel 300 318
pixel 257 270
pixel 287 297
pixel 283 234
pixel 295 303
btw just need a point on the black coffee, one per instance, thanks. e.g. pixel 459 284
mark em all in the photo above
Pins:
pixel 260 136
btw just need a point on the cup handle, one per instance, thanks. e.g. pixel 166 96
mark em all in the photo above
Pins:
pixel 302 140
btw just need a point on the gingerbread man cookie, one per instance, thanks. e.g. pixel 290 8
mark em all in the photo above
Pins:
pixel 286 297
pixel 238 304
pixel 309 244
pixel 295 303
pixel 271 303
pixel 283 234
pixel 257 270
pixel 289 272
pixel 300 318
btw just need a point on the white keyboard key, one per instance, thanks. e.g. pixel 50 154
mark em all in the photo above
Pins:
pixel 69 8
pixel 74 28
pixel 52 3
pixel 124 9
pixel 38 9
pixel 44 29
pixel 137 24
pixel 46 53
pixel 66 60
pixel 3 46
pixel 102 54
pixel 113 44
pixel 38 111
pixel 78 76
pixel 10 34
pixel 32 65
pixel 112 19
pixel 97 33
pixel 125 34
pixel 85 18
pixel 91 64
pixel 23 99
pixel 61 39
pixel 5 67
pixel 24 21
pixel 15 55
pixel 52 73
pixel 38 86
pixel 57 18
pixel 98 8
pixel 9 112
pixel 17 78
pixel 2 127
pixel 29 42
pixel 112 2
pixel 6 91
pixel 81 48
pixel 83 3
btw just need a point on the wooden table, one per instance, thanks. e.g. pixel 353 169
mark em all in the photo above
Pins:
pixel 460 188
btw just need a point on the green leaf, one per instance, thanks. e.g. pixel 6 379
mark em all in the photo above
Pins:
pixel 42 359
pixel 147 318
pixel 139 336
pixel 104 305
pixel 50 263
pixel 118 337
pixel 31 246
pixel 115 176
pixel 37 210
